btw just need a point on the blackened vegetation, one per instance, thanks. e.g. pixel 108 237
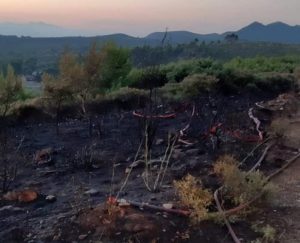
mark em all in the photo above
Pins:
pixel 81 162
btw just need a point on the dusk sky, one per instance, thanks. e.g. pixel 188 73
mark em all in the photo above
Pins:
pixel 140 17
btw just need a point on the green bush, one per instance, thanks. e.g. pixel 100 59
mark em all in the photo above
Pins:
pixel 264 64
pixel 171 92
pixel 195 84
pixel 176 72
pixel 189 88
pixel 151 77
pixel 133 77
pixel 128 97
pixel 276 82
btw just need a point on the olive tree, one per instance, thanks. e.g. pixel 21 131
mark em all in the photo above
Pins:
pixel 10 90
pixel 61 88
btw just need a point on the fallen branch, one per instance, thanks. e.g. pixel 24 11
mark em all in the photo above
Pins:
pixel 253 150
pixel 184 142
pixel 262 157
pixel 222 213
pixel 154 207
pixel 166 116
pixel 257 122
pixel 189 123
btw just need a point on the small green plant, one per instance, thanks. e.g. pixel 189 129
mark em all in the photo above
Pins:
pixel 193 196
pixel 241 186
pixel 268 232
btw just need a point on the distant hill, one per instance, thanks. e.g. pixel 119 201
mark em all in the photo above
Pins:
pixel 276 32
pixel 36 29
pixel 28 54
pixel 180 37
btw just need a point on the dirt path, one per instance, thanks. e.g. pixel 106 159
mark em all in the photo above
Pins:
pixel 287 202
pixel 287 212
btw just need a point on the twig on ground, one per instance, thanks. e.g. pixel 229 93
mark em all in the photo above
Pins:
pixel 262 157
pixel 253 150
pixel 154 207
pixel 221 212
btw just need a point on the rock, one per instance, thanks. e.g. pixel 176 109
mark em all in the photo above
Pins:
pixel 50 198
pixel 123 202
pixel 21 196
pixel 10 210
pixel 27 196
pixel 159 141
pixel 43 157
pixel 82 237
pixel 168 205
pixel 92 192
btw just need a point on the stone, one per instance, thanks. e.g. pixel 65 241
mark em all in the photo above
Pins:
pixel 21 196
pixel 50 198
pixel 10 210
pixel 92 192
pixel 168 205
pixel 43 157
pixel 159 141
pixel 82 237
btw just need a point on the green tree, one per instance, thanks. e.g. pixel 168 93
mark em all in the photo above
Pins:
pixel 91 82
pixel 116 66
pixel 61 88
pixel 10 89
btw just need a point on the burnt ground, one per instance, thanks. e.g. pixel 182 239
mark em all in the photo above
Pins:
pixel 284 214
pixel 79 185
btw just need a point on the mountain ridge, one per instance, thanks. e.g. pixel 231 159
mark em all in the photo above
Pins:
pixel 278 32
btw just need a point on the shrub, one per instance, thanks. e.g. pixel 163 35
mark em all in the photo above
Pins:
pixel 195 84
pixel 177 71
pixel 133 77
pixel 240 186
pixel 128 97
pixel 189 88
pixel 193 196
pixel 268 232
pixel 276 82
pixel 232 81
pixel 151 78
pixel 171 92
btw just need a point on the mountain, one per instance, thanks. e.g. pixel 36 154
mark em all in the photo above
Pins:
pixel 275 32
pixel 178 37
pixel 36 29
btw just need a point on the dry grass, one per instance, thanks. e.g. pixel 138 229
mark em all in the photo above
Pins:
pixel 193 196
pixel 240 186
